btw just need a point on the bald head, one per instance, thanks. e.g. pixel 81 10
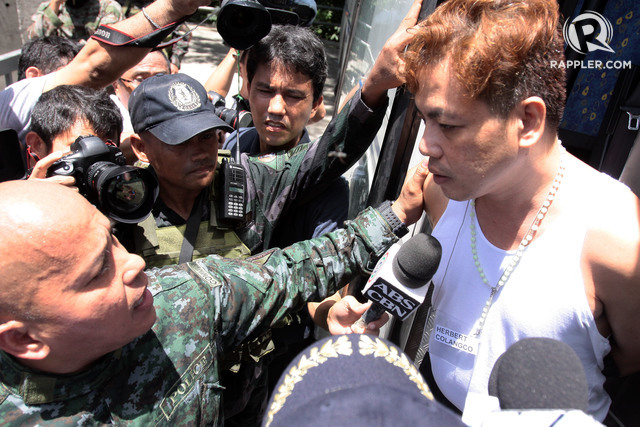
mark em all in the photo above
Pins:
pixel 32 210
pixel 38 222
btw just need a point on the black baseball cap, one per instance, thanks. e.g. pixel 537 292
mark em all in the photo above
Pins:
pixel 174 108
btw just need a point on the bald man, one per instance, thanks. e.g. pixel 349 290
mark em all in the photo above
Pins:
pixel 86 335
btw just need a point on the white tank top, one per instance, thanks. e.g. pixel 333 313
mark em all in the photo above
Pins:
pixel 544 297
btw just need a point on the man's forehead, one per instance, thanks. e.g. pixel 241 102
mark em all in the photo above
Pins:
pixel 151 64
pixel 80 128
pixel 439 82
pixel 276 70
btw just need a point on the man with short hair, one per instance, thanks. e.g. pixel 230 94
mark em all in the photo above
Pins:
pixel 66 112
pixel 45 55
pixel 60 116
pixel 286 72
pixel 88 337
pixel 535 242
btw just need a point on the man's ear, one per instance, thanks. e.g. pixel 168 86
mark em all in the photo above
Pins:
pixel 32 72
pixel 138 147
pixel 317 104
pixel 16 340
pixel 532 114
pixel 38 146
pixel 318 111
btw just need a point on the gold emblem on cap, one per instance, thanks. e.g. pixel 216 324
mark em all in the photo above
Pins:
pixel 184 97
pixel 367 346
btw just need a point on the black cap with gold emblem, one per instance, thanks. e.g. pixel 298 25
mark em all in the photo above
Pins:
pixel 354 380
pixel 173 107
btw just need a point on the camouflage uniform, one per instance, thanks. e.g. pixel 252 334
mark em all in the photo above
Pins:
pixel 170 375
pixel 75 23
pixel 276 186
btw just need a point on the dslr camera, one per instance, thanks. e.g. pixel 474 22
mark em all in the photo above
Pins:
pixel 123 193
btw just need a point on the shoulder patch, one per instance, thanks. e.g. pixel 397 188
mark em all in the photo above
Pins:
pixel 202 273
pixel 266 158
pixel 262 257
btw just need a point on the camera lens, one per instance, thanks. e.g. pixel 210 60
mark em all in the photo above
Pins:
pixel 234 118
pixel 125 193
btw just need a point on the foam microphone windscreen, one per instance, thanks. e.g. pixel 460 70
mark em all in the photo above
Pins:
pixel 539 373
pixel 417 260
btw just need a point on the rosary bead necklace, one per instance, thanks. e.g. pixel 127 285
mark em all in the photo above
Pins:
pixel 515 258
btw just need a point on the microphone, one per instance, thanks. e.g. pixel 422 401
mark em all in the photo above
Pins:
pixel 400 280
pixel 539 373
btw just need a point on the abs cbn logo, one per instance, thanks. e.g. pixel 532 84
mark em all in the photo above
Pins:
pixel 589 32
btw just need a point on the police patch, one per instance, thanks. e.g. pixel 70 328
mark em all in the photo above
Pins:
pixel 184 97
pixel 267 157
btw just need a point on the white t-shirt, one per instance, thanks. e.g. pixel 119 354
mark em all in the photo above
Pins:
pixel 126 119
pixel 16 104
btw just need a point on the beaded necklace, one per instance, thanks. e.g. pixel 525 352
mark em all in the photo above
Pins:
pixel 515 258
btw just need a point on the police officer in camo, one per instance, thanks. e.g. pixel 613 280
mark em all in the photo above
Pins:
pixel 88 337
pixel 73 19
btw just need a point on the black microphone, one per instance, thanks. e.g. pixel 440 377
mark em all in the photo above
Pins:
pixel 400 280
pixel 539 373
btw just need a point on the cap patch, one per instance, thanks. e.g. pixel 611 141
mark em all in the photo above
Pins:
pixel 184 97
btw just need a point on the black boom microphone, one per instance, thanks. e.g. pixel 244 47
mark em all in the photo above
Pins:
pixel 400 280
pixel 539 373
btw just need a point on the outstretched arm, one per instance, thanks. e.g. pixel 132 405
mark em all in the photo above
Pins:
pixel 98 64
pixel 352 130
pixel 337 315
pixel 220 79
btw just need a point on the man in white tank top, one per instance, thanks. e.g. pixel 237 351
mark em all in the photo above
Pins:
pixel 535 242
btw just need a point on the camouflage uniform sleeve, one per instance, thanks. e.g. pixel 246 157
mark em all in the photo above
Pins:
pixel 345 140
pixel 259 291
pixel 110 13
pixel 278 181
pixel 181 47
pixel 45 22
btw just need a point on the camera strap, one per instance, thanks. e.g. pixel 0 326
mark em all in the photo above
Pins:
pixel 113 37
pixel 153 40
pixel 191 231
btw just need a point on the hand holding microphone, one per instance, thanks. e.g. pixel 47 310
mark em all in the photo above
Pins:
pixel 400 281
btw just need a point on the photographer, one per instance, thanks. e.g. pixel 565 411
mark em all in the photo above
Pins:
pixel 59 117
pixel 45 55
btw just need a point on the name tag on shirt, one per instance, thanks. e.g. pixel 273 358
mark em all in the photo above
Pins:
pixel 459 341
